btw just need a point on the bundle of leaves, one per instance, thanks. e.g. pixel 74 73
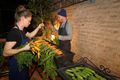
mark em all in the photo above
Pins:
pixel 24 58
pixel 47 61
pixel 56 41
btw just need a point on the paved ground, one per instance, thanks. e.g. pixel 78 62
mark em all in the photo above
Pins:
pixel 35 75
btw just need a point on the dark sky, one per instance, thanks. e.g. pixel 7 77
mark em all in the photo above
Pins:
pixel 7 11
pixel 13 1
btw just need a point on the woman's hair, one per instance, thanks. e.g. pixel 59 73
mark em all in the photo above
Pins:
pixel 21 11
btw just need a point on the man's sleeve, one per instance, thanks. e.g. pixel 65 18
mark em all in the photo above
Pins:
pixel 55 30
pixel 69 30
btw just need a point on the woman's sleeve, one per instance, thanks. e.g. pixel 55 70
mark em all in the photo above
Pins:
pixel 25 31
pixel 12 36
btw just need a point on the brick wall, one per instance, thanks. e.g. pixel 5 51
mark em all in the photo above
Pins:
pixel 96 33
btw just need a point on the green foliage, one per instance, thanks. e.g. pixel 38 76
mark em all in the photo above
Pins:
pixel 2 58
pixel 46 39
pixel 44 32
pixel 24 58
pixel 42 11
pixel 47 60
pixel 56 41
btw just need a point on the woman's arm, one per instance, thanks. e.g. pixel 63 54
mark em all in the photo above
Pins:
pixel 8 51
pixel 33 33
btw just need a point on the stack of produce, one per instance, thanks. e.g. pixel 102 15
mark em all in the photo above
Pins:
pixel 41 52
pixel 55 41
pixel 58 51
pixel 24 58
pixel 35 47
pixel 83 73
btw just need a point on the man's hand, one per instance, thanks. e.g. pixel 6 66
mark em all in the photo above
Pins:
pixel 50 25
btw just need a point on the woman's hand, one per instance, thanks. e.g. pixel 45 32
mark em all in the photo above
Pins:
pixel 34 32
pixel 40 25
pixel 27 47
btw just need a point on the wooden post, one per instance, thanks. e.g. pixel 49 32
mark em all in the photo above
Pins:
pixel 48 33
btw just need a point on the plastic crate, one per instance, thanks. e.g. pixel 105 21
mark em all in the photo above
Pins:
pixel 64 76
pixel 61 61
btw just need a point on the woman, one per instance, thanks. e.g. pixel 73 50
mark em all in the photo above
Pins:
pixel 17 37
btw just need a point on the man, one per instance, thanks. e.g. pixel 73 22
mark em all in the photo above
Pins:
pixel 65 30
